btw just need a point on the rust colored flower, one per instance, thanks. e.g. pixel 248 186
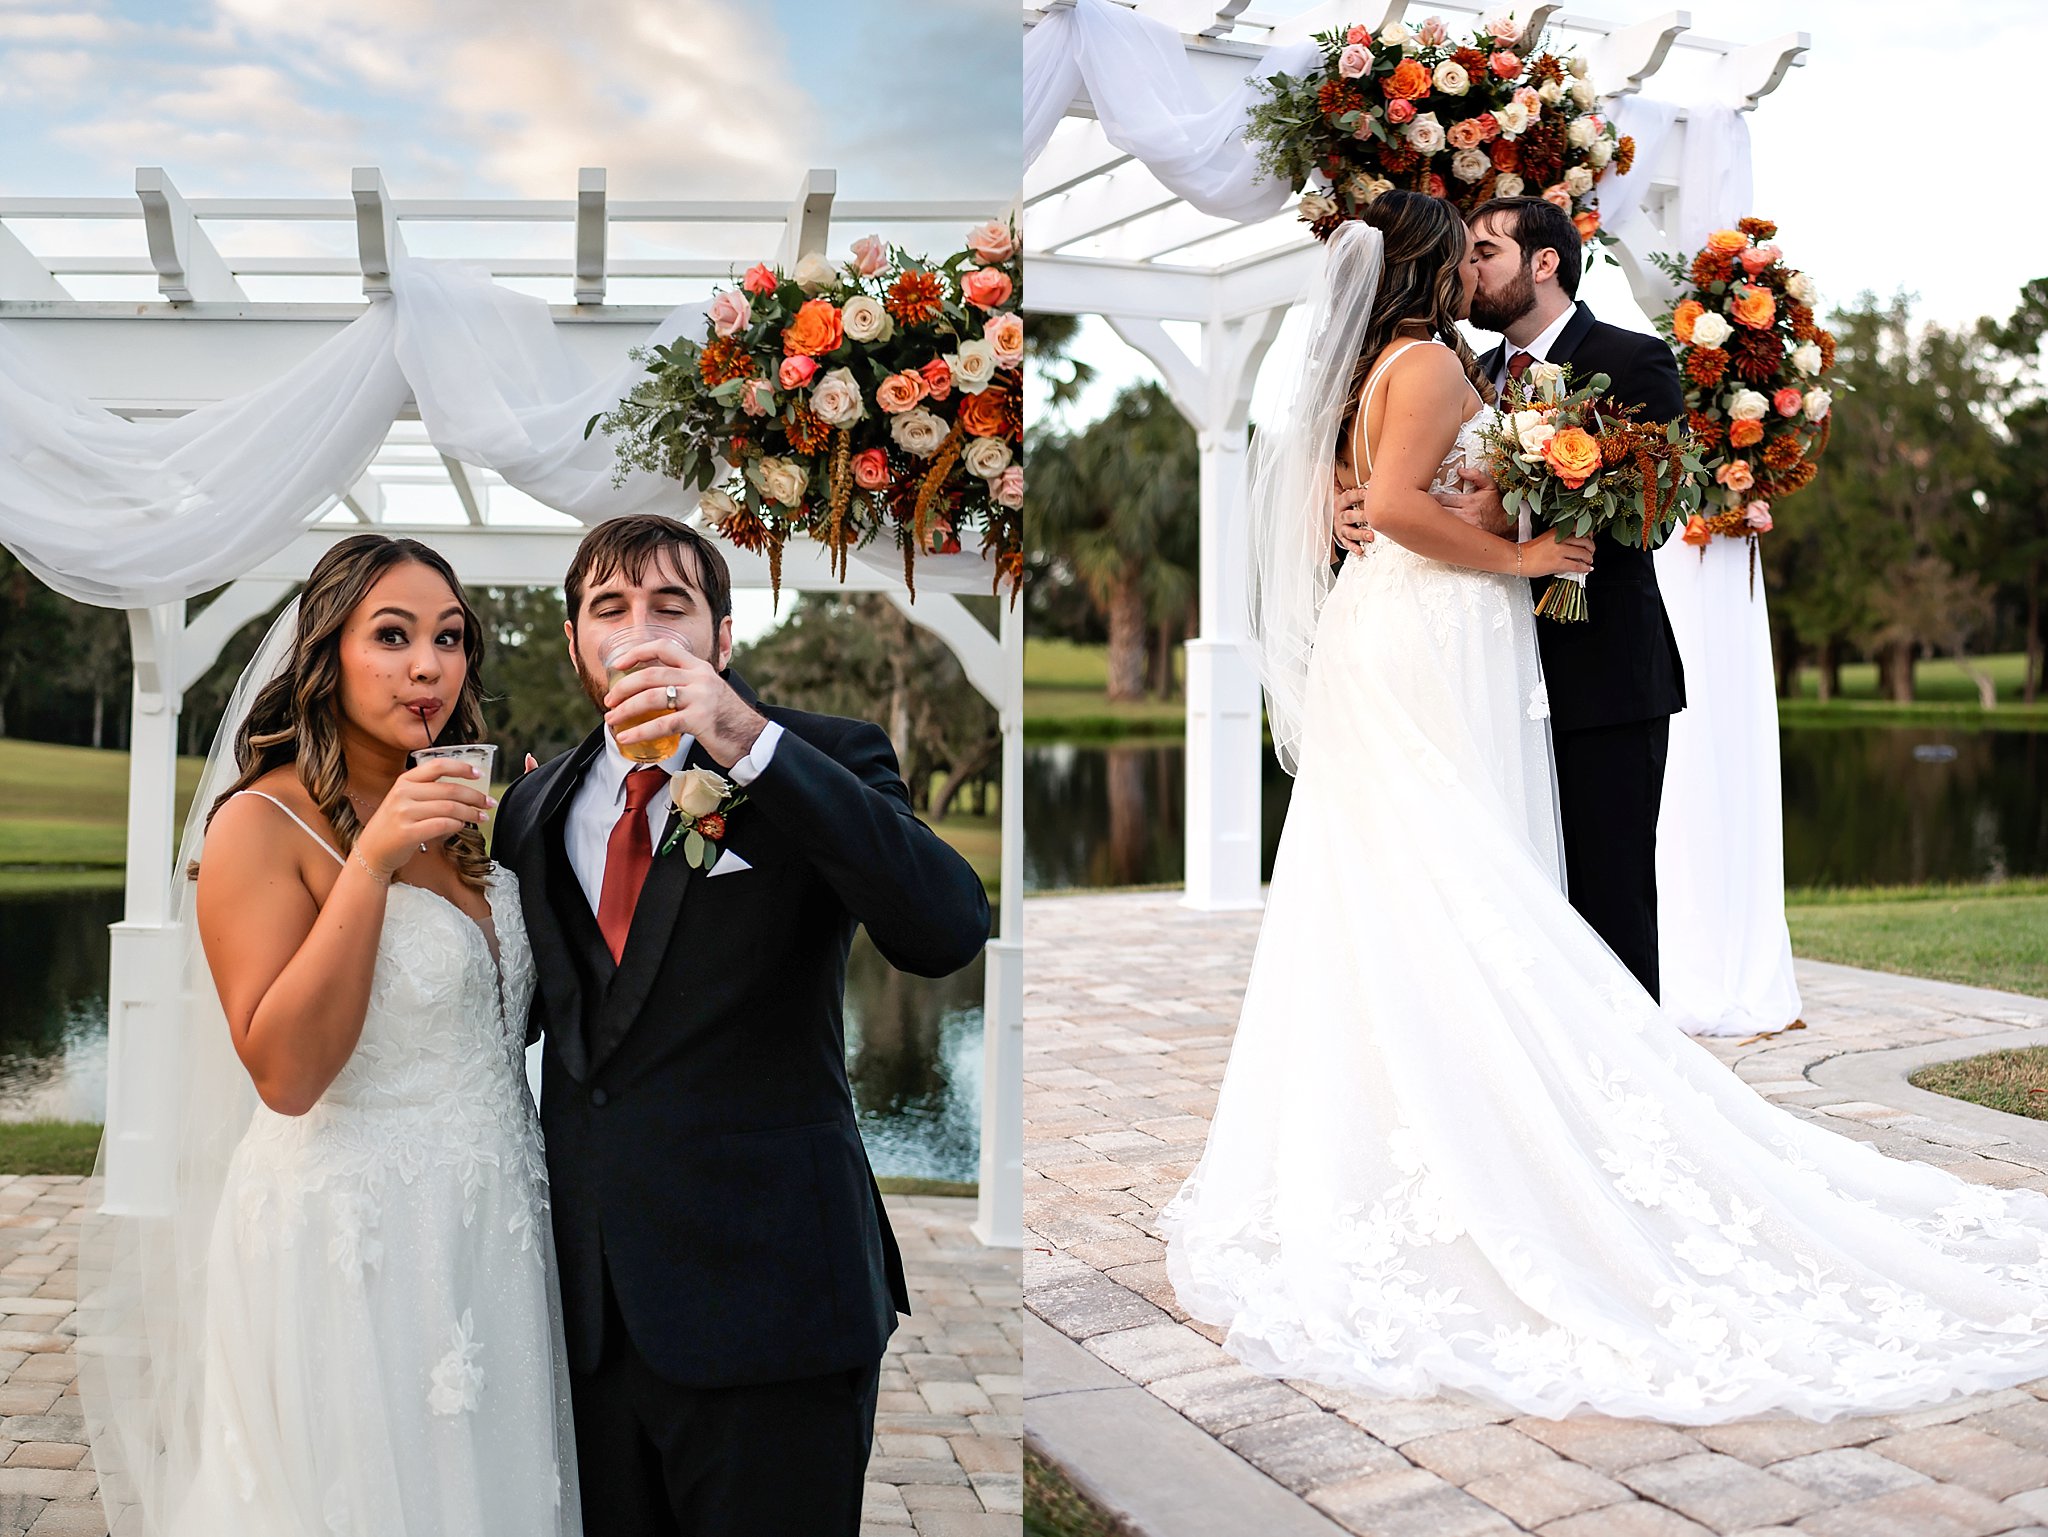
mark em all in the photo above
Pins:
pixel 724 358
pixel 1827 350
pixel 1706 428
pixel 1573 455
pixel 1473 60
pixel 746 530
pixel 1548 67
pixel 914 298
pixel 814 330
pixel 981 416
pixel 1614 447
pixel 712 826
pixel 1709 269
pixel 1624 154
pixel 1398 160
pixel 1409 80
pixel 1507 155
pixel 1754 307
pixel 1783 451
pixel 1706 365
pixel 1762 229
pixel 1745 434
pixel 1756 355
pixel 1337 97
pixel 807 435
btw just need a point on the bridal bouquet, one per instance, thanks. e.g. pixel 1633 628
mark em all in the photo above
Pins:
pixel 1485 113
pixel 880 397
pixel 1568 459
pixel 1752 357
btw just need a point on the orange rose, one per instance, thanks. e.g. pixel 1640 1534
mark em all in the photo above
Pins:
pixel 1755 308
pixel 1745 434
pixel 1726 242
pixel 1587 224
pixel 1409 80
pixel 815 330
pixel 981 416
pixel 1697 533
pixel 1683 317
pixel 1574 455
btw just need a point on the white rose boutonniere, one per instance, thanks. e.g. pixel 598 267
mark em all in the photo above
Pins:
pixel 703 799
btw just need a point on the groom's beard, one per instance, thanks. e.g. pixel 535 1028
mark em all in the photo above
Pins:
pixel 1496 312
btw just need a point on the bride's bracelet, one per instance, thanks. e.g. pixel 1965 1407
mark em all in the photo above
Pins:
pixel 375 875
pixel 1518 557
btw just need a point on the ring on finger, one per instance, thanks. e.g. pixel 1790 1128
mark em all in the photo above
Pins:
pixel 669 693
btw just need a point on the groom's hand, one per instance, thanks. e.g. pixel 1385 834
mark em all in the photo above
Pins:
pixel 1353 532
pixel 1480 505
pixel 704 705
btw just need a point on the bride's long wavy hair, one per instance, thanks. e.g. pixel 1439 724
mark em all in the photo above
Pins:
pixel 296 717
pixel 1424 241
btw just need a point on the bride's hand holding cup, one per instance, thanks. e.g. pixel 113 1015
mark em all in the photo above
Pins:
pixel 434 799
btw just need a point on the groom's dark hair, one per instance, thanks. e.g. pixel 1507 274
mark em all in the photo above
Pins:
pixel 1533 224
pixel 626 546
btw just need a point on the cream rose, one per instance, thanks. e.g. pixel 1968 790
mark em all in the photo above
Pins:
pixel 1582 132
pixel 1426 134
pixel 1578 181
pixel 972 366
pixel 1513 118
pixel 697 792
pixel 986 457
pixel 1451 78
pixel 1577 65
pixel 814 274
pixel 1710 330
pixel 865 320
pixel 780 480
pixel 717 506
pixel 1533 431
pixel 1509 185
pixel 1546 380
pixel 1583 95
pixel 1315 207
pixel 836 399
pixel 1806 358
pixel 1745 405
pixel 1394 35
pixel 1799 286
pixel 1470 165
pixel 1549 93
pixel 1598 153
pixel 1818 403
pixel 918 432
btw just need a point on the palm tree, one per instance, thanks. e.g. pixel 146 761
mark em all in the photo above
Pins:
pixel 1115 508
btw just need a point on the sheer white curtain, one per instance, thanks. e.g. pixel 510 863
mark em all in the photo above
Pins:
pixel 1724 950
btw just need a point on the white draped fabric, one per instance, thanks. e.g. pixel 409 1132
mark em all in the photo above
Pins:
pixel 1152 106
pixel 127 514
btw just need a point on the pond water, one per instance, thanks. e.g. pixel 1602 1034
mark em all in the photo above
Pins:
pixel 1864 805
pixel 913 1045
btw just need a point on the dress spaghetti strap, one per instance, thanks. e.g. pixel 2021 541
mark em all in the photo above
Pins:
pixel 281 806
pixel 1359 446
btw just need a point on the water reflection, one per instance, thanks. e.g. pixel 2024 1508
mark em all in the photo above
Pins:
pixel 913 1044
pixel 1864 805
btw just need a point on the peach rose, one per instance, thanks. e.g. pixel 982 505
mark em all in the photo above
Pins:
pixel 899 392
pixel 1502 27
pixel 758 397
pixel 1489 127
pixel 1745 434
pixel 1726 242
pixel 1683 317
pixel 1573 454
pixel 1758 516
pixel 1505 65
pixel 729 313
pixel 871 469
pixel 1755 308
pixel 1736 475
pixel 992 242
pixel 1587 223
pixel 1008 490
pixel 1358 35
pixel 1355 61
pixel 1400 111
pixel 1005 333
pixel 1697 534
pixel 985 287
pixel 815 330
pixel 938 378
pixel 1556 194
pixel 1757 257
pixel 1787 401
pixel 1530 102
pixel 1435 185
pixel 870 255
pixel 1411 78
pixel 760 279
pixel 797 371
pixel 1466 134
pixel 1432 31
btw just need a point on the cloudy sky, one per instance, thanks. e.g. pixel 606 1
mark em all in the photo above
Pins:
pixel 1890 160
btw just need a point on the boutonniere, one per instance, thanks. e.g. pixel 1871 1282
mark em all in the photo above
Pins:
pixel 703 800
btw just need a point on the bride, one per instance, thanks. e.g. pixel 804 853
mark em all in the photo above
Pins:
pixel 1455 1150
pixel 339 1317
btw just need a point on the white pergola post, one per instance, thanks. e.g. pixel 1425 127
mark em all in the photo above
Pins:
pixel 1000 1221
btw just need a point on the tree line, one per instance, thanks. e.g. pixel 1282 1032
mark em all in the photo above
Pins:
pixel 1924 535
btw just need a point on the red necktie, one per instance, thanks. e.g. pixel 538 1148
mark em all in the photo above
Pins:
pixel 627 855
pixel 1518 365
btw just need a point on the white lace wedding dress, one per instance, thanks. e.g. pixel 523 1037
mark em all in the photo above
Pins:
pixel 383 1345
pixel 1457 1150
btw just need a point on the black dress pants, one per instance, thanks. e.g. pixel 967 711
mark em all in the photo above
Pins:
pixel 776 1459
pixel 1610 782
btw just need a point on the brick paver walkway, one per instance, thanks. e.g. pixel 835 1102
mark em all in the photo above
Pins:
pixel 1130 1005
pixel 947 1457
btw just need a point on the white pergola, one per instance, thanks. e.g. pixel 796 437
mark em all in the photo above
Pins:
pixel 1105 236
pixel 176 303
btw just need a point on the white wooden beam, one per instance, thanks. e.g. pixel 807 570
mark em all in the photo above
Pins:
pixel 809 221
pixel 188 268
pixel 979 652
pixel 23 274
pixel 1101 203
pixel 377 242
pixel 1747 75
pixel 1185 380
pixel 1621 61
pixel 590 235
pixel 365 499
pixel 215 625
pixel 458 477
pixel 1076 151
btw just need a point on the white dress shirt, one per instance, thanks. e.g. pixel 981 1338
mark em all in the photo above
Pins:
pixel 599 800
pixel 1538 350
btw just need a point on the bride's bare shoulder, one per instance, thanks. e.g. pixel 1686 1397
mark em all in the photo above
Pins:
pixel 250 834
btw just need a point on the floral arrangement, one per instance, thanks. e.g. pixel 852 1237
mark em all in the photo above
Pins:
pixel 1489 113
pixel 702 800
pixel 1752 358
pixel 1573 461
pixel 882 396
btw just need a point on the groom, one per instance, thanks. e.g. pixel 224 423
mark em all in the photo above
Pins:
pixel 1615 680
pixel 728 1275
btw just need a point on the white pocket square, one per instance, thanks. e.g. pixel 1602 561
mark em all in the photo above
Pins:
pixel 728 862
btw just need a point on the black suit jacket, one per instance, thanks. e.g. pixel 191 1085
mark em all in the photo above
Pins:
pixel 1622 664
pixel 701 1140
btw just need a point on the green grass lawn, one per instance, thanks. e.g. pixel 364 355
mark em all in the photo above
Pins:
pixel 48 1147
pixel 1064 699
pixel 2013 1081
pixel 1054 1508
pixel 1982 936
